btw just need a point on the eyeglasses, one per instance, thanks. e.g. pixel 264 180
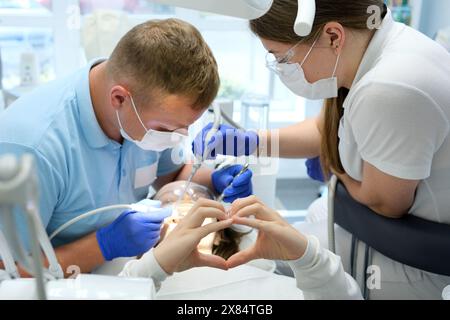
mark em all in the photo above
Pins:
pixel 272 62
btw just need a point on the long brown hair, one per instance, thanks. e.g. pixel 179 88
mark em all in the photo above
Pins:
pixel 226 242
pixel 278 25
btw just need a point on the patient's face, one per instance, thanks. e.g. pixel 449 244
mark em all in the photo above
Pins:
pixel 180 208
pixel 172 192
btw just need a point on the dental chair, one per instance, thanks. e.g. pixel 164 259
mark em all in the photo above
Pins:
pixel 412 241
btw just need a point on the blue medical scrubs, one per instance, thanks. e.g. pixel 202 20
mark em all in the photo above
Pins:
pixel 79 167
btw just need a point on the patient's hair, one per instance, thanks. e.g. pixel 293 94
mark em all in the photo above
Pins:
pixel 162 57
pixel 227 243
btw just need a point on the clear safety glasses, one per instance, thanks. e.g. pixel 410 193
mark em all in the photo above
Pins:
pixel 273 63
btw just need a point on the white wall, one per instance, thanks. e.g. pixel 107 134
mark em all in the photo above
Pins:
pixel 435 15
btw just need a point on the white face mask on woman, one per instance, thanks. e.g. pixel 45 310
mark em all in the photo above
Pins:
pixel 293 76
pixel 152 140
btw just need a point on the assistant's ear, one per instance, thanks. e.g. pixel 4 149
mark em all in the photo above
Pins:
pixel 118 96
pixel 335 35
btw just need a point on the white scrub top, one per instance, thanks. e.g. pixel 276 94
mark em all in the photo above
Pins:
pixel 79 167
pixel 396 116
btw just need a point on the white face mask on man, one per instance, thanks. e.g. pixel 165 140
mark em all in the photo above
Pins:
pixel 293 76
pixel 152 140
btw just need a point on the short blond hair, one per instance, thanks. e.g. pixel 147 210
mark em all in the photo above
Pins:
pixel 162 57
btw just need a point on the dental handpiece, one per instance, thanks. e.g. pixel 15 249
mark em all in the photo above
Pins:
pixel 244 169
pixel 208 138
pixel 195 168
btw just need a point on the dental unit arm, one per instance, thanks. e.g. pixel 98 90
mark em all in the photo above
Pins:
pixel 19 188
pixel 250 9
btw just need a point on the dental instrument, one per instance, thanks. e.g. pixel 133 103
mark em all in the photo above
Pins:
pixel 244 169
pixel 209 136
pixel 87 215
pixel 140 206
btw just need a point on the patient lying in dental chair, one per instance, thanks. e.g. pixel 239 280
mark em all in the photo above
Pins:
pixel 224 243
pixel 255 280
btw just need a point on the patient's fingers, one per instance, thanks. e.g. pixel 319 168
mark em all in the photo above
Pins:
pixel 208 260
pixel 214 227
pixel 164 230
pixel 244 202
pixel 241 258
pixel 207 203
pixel 197 218
pixel 254 223
pixel 256 209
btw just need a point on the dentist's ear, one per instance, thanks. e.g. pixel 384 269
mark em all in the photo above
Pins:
pixel 118 96
pixel 335 35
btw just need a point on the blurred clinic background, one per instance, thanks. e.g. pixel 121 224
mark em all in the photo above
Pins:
pixel 41 40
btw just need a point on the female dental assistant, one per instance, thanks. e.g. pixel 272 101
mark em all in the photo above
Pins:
pixel 384 127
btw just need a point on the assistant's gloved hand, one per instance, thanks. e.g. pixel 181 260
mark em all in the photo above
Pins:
pixel 241 186
pixel 133 233
pixel 314 169
pixel 227 141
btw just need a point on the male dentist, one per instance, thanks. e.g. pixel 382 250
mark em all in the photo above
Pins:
pixel 105 134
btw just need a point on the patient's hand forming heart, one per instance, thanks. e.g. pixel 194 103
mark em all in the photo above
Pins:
pixel 179 210
pixel 179 250
pixel 277 239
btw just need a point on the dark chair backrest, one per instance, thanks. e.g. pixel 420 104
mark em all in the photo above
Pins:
pixel 413 241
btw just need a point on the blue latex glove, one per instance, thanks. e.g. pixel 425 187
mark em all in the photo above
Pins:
pixel 133 233
pixel 315 169
pixel 227 141
pixel 241 187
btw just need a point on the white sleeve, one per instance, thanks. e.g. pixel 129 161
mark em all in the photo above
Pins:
pixel 321 276
pixel 397 129
pixel 145 267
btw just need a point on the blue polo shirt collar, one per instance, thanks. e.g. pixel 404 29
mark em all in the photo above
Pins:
pixel 92 131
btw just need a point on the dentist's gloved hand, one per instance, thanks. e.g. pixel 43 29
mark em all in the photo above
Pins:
pixel 314 169
pixel 241 187
pixel 133 233
pixel 227 141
